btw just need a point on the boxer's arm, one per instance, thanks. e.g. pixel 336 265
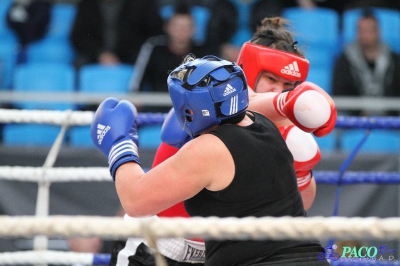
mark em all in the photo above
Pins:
pixel 308 194
pixel 263 103
pixel 306 155
pixel 307 106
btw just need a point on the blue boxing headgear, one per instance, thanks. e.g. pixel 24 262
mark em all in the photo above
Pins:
pixel 212 91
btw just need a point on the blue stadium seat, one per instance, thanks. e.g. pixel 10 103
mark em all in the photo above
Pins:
pixel 201 17
pixel 35 78
pixel 30 134
pixel 55 46
pixel 50 50
pixel 379 141
pixel 62 19
pixel 79 136
pixel 322 77
pixel 8 47
pixel 99 79
pixel 104 79
pixel 166 11
pixel 149 136
pixel 319 57
pixel 327 143
pixel 244 32
pixel 5 31
pixel 389 23
pixel 8 60
pixel 321 65
pixel 315 28
pixel 45 77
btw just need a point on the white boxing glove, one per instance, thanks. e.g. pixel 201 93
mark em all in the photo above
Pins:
pixel 308 107
pixel 305 151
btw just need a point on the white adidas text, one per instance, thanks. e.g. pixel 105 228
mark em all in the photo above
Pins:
pixel 228 90
pixel 291 69
pixel 101 132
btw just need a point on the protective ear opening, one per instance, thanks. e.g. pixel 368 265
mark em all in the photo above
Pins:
pixel 188 115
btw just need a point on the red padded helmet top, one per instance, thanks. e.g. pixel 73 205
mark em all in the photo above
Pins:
pixel 255 59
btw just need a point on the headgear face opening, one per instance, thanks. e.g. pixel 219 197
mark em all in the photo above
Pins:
pixel 213 90
pixel 255 59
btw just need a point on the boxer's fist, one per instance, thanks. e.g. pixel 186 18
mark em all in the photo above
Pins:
pixel 114 132
pixel 308 107
pixel 172 132
pixel 305 151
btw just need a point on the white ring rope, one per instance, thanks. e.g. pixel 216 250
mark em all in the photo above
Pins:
pixel 77 118
pixel 55 174
pixel 321 228
pixel 45 257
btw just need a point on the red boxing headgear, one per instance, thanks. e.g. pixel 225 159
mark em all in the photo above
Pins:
pixel 255 58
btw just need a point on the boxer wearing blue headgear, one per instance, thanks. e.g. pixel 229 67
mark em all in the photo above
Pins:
pixel 237 166
pixel 208 91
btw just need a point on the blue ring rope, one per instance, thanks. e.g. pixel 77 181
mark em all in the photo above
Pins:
pixel 346 122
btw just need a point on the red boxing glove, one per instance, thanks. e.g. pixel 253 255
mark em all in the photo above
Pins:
pixel 308 107
pixel 305 151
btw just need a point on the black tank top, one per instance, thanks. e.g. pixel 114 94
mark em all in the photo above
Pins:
pixel 264 185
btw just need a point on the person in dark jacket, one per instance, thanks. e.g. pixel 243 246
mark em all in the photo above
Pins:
pixel 29 19
pixel 367 67
pixel 112 31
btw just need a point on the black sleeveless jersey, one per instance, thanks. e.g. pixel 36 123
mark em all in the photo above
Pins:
pixel 264 185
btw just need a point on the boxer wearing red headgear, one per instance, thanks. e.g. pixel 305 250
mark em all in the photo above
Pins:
pixel 255 59
pixel 272 63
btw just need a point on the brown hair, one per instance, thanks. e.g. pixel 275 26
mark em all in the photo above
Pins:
pixel 273 32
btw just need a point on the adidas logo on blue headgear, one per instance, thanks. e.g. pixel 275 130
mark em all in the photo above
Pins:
pixel 207 91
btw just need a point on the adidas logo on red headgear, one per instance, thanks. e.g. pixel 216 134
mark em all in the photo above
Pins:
pixel 291 69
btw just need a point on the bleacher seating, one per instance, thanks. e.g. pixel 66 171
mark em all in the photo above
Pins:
pixel 327 143
pixel 317 27
pixel 244 32
pixel 317 31
pixel 8 60
pixel 44 77
pixel 50 50
pixel 99 79
pixel 321 65
pixel 321 77
pixel 62 19
pixel 8 47
pixel 149 136
pixel 5 32
pixel 39 78
pixel 55 46
pixel 378 141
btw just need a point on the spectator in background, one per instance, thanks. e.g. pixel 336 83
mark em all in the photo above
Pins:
pixel 367 67
pixel 166 54
pixel 111 31
pixel 29 19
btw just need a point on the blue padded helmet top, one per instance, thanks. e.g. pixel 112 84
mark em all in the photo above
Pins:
pixel 207 91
